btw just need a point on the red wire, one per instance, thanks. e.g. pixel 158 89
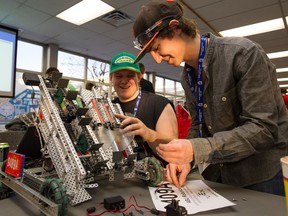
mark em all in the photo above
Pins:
pixel 132 196
pixel 123 210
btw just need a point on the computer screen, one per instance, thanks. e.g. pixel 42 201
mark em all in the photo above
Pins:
pixel 8 55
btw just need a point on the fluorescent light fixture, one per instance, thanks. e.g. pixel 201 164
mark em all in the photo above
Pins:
pixel 282 79
pixel 283 86
pixel 257 28
pixel 279 70
pixel 278 54
pixel 85 11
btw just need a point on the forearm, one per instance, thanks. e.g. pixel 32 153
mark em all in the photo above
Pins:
pixel 223 147
pixel 154 138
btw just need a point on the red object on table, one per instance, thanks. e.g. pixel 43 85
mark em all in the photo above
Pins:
pixel 15 164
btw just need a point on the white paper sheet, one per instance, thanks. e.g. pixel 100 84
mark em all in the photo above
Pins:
pixel 195 196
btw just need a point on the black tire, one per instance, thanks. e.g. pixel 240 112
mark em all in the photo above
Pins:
pixel 54 190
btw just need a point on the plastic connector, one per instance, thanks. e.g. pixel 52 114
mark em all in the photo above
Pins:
pixel 154 211
pixel 91 210
pixel 174 209
pixel 114 203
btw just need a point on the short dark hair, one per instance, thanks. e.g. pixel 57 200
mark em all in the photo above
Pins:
pixel 52 70
pixel 142 67
pixel 89 85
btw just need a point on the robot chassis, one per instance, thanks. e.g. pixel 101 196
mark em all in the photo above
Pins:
pixel 81 142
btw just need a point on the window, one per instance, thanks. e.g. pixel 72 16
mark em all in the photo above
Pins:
pixel 29 56
pixel 179 89
pixel 77 84
pixel 98 71
pixel 173 89
pixel 71 65
pixel 159 84
pixel 169 86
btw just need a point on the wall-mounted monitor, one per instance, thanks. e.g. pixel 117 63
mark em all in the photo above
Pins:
pixel 8 55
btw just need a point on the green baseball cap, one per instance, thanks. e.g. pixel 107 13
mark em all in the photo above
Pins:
pixel 122 61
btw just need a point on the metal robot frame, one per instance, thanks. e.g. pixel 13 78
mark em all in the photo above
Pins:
pixel 81 142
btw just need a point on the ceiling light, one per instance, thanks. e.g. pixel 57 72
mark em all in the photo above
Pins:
pixel 257 28
pixel 279 70
pixel 283 86
pixel 85 11
pixel 282 79
pixel 278 54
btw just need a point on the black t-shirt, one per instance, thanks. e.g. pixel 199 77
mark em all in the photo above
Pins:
pixel 146 85
pixel 149 110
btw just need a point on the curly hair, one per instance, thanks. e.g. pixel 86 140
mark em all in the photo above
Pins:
pixel 187 26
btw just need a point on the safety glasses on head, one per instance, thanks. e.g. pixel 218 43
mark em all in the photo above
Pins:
pixel 145 37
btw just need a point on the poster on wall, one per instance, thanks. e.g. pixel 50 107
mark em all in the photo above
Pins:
pixel 20 104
